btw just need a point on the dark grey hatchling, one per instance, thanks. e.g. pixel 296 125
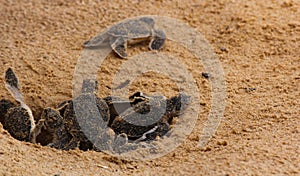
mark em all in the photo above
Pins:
pixel 16 119
pixel 130 31
pixel 150 117
pixel 75 123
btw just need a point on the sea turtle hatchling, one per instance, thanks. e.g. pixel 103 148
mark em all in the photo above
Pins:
pixel 75 123
pixel 150 118
pixel 82 120
pixel 130 31
pixel 17 119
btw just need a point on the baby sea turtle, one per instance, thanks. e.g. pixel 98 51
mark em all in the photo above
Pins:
pixel 72 120
pixel 118 105
pixel 148 119
pixel 130 31
pixel 81 116
pixel 17 119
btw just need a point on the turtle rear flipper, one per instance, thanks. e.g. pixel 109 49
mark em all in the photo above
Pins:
pixel 158 40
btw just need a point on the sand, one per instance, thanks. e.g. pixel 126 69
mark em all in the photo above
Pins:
pixel 256 42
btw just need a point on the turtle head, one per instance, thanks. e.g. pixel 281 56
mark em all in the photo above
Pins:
pixel 89 86
pixel 52 118
pixel 177 104
pixel 138 97
pixel 148 20
pixel 182 101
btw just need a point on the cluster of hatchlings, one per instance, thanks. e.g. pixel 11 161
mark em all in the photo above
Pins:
pixel 115 123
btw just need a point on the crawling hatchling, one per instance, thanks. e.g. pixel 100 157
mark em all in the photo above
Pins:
pixel 130 31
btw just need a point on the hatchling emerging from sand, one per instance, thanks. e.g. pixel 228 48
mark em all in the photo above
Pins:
pixel 151 117
pixel 130 31
pixel 16 119
pixel 72 120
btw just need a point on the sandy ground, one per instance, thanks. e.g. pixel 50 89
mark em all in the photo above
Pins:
pixel 259 134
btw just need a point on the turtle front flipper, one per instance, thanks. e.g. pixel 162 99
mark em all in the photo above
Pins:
pixel 119 45
pixel 37 130
pixel 119 141
pixel 158 40
pixel 12 85
pixel 71 145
